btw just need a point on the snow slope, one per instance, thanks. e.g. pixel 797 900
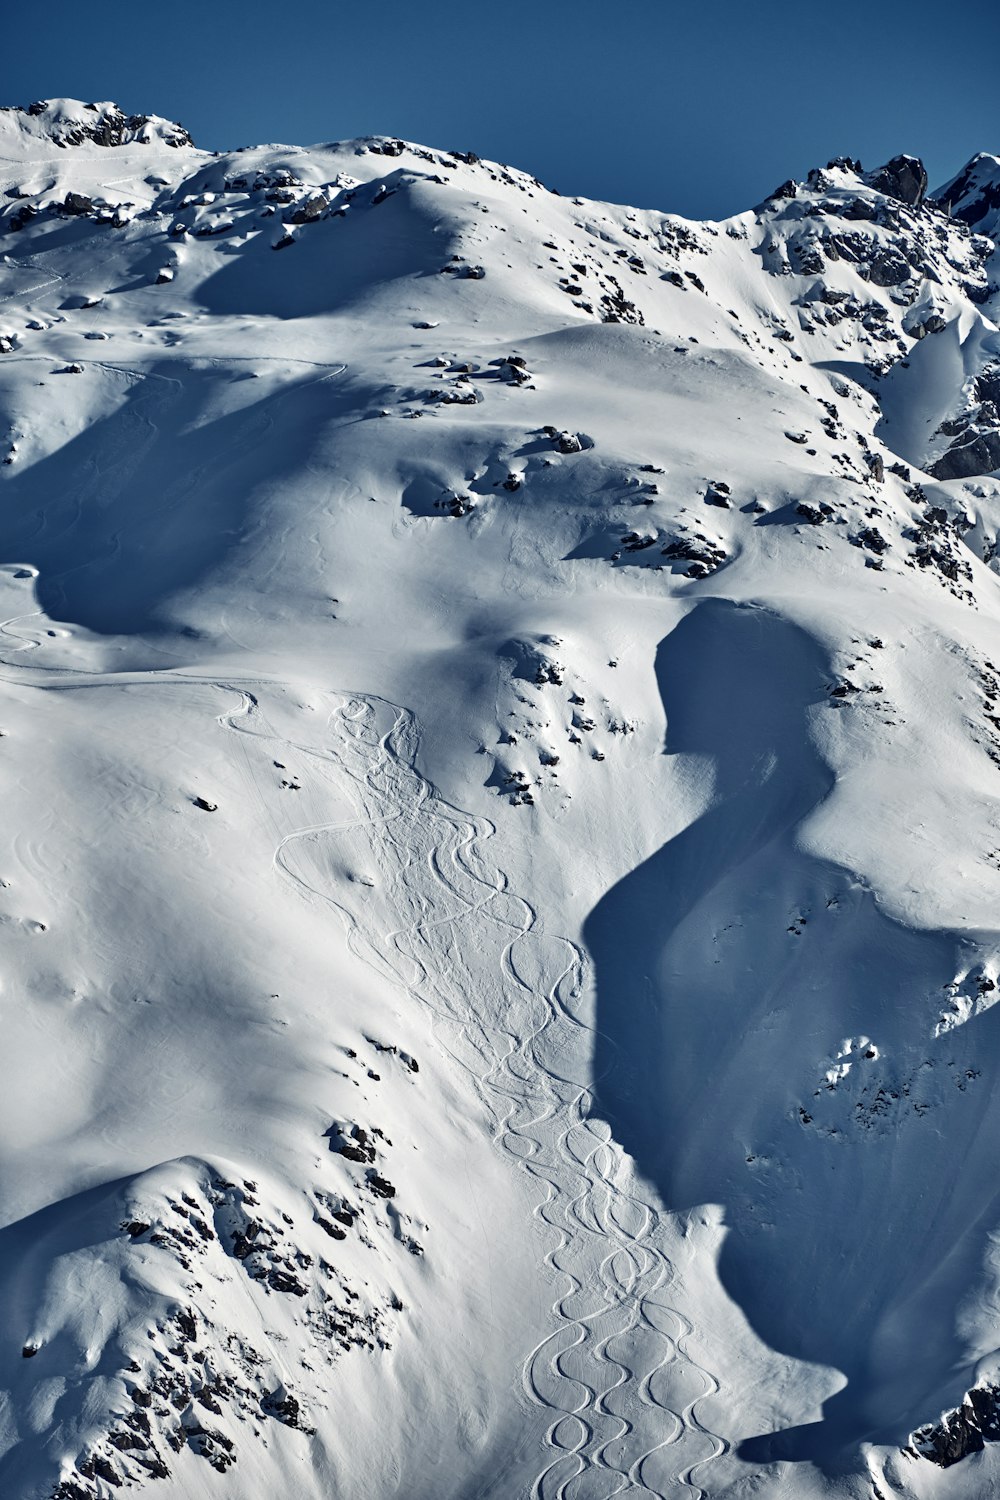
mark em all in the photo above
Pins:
pixel 499 708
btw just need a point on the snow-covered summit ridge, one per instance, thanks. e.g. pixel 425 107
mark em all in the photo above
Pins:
pixel 903 178
pixel 25 129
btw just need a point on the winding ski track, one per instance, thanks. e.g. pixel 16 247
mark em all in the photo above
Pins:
pixel 604 1371
pixel 611 1369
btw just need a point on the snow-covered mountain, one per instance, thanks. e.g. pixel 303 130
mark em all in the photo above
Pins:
pixel 500 733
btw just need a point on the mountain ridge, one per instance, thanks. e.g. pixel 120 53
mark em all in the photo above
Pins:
pixel 70 122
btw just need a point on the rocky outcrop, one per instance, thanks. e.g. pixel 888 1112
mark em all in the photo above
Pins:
pixel 311 208
pixel 965 1430
pixel 976 432
pixel 100 124
pixel 904 178
pixel 976 452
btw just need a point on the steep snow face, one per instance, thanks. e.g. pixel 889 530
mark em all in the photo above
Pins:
pixel 974 195
pixel 499 706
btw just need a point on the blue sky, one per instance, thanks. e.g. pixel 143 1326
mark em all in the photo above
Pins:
pixel 699 108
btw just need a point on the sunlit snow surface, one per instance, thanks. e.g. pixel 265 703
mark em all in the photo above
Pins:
pixel 501 752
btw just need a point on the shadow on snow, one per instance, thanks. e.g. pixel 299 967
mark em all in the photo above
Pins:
pixel 855 1225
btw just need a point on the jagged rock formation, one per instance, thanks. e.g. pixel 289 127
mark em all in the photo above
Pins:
pixel 904 177
pixel 963 1431
pixel 67 123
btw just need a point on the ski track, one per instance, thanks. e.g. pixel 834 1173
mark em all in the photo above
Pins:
pixel 610 1433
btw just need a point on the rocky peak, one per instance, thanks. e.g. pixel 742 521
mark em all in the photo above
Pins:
pixel 903 178
pixel 70 122
pixel 974 195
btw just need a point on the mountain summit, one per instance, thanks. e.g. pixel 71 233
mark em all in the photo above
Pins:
pixel 500 721
pixel 974 195
pixel 69 122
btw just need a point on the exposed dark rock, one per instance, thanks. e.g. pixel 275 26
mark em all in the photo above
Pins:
pixel 969 200
pixel 977 453
pixel 110 127
pixel 213 1446
pixel 873 539
pixel 888 266
pixel 904 178
pixel 932 322
pixel 357 1146
pixel 615 307
pixel 282 1406
pixel 244 1240
pixel 936 548
pixel 187 1325
pixel 284 1281
pixel 985 1403
pixel 514 371
pixel 328 1228
pixel 309 210
pixel 548 672
pixel 815 515
pixel 703 555
pixel 962 1431
pixel 76 204
pixel 68 1489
